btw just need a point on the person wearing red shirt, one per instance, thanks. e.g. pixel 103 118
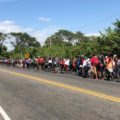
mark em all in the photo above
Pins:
pixel 95 62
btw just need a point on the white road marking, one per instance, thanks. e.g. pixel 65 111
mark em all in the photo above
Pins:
pixel 3 113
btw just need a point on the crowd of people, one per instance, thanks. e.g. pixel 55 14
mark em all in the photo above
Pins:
pixel 96 67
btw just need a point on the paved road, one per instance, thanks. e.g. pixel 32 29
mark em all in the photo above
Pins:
pixel 29 95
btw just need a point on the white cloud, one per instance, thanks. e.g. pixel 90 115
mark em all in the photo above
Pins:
pixel 44 19
pixel 92 34
pixel 41 35
pixel 8 26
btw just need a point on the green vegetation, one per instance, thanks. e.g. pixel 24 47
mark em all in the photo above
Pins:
pixel 64 43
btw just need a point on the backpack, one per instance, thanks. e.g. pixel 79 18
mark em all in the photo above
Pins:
pixel 87 64
pixel 78 62
pixel 96 61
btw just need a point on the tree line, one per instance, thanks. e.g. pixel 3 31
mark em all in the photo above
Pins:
pixel 63 43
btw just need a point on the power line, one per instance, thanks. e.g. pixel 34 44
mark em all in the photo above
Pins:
pixel 98 21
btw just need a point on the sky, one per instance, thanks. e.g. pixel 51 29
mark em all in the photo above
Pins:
pixel 42 18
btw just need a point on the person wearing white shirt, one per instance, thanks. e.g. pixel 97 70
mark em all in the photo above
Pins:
pixel 86 67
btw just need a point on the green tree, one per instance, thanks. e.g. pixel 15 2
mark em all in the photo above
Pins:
pixel 24 42
pixel 2 39
pixel 79 37
pixel 111 38
pixel 62 36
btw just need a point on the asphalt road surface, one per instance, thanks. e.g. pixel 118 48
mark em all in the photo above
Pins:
pixel 30 95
